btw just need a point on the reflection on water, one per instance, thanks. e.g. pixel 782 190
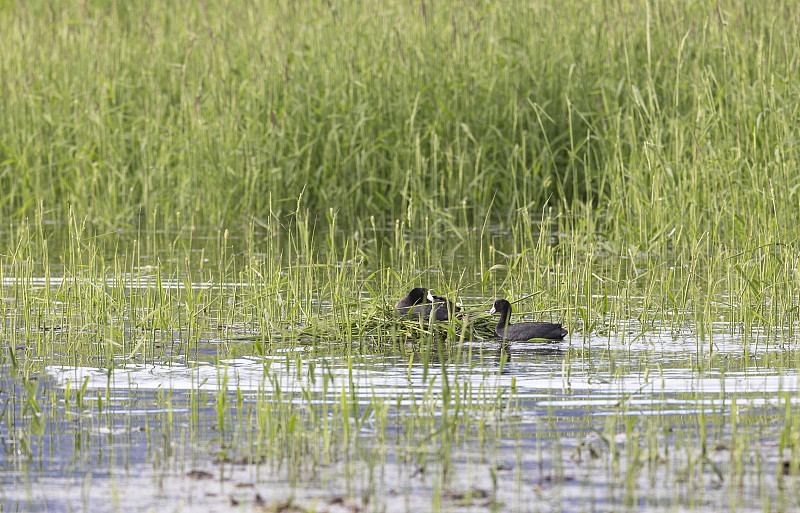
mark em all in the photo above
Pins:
pixel 536 370
pixel 120 430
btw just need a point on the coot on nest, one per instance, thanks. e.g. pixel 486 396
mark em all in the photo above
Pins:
pixel 420 302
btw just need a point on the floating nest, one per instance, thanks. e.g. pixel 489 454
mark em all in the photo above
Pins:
pixel 382 322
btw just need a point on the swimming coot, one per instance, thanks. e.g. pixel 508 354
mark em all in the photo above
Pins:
pixel 420 302
pixel 523 330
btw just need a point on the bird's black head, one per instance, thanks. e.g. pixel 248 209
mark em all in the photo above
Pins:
pixel 501 305
pixel 417 295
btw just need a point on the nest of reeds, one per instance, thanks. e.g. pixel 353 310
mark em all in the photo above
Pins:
pixel 382 322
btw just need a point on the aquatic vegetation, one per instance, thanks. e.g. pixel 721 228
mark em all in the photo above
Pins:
pixel 210 210
pixel 297 370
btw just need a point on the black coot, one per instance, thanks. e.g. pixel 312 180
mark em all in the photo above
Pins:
pixel 523 330
pixel 420 302
pixel 415 297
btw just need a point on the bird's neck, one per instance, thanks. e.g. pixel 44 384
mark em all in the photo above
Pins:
pixel 503 323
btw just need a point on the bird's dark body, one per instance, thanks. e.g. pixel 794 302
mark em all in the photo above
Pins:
pixel 523 330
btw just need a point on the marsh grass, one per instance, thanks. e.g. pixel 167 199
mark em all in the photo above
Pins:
pixel 268 296
pixel 628 161
pixel 278 282
pixel 655 133
pixel 191 185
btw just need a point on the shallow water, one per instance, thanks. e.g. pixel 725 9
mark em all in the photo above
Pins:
pixel 216 417
pixel 587 424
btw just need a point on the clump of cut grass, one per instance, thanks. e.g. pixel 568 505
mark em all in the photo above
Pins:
pixel 380 322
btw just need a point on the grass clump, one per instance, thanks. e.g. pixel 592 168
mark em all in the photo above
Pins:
pixel 380 322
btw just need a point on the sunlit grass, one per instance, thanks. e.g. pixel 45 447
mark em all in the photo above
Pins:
pixel 193 186
pixel 670 127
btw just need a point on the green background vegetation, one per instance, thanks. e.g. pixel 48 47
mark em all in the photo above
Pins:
pixel 644 118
